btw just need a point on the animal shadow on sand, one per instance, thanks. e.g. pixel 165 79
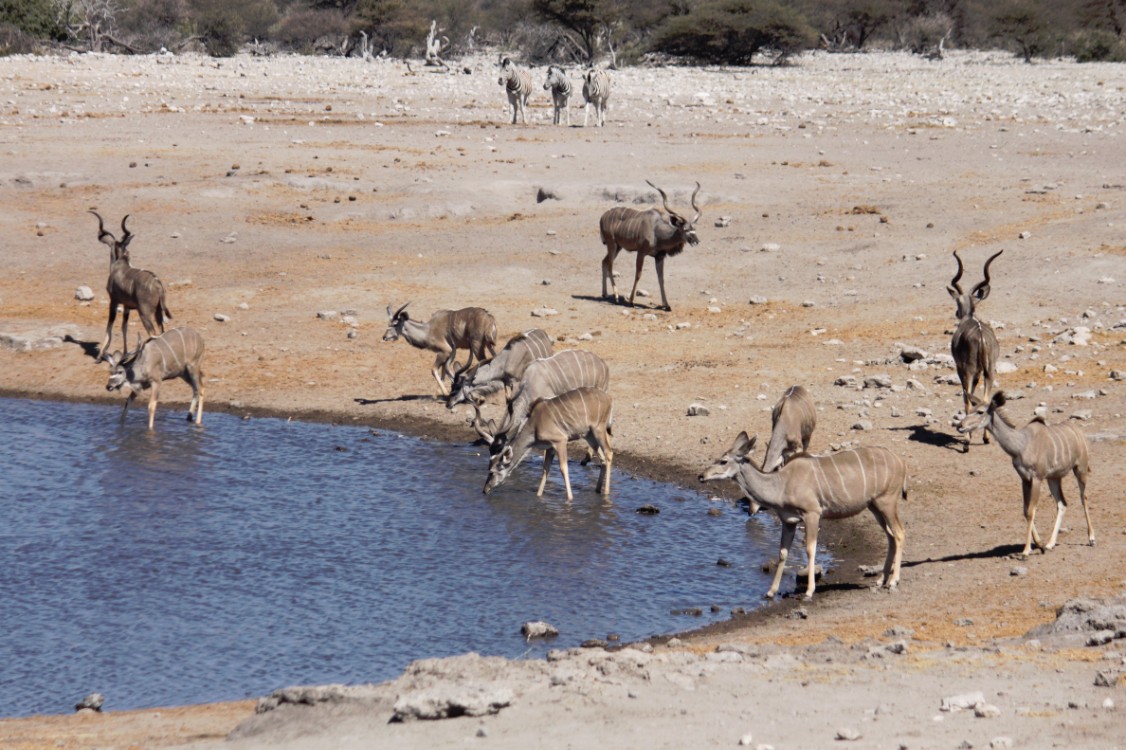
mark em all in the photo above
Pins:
pixel 923 434
pixel 617 303
pixel 1001 551
pixel 89 348
pixel 404 397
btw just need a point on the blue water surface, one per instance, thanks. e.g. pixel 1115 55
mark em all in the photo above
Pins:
pixel 189 565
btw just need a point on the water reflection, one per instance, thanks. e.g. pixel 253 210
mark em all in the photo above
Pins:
pixel 189 565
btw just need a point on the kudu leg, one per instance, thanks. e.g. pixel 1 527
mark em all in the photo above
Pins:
pixel 195 409
pixel 438 369
pixel 637 276
pixel 1081 478
pixel 561 449
pixel 129 400
pixel 660 263
pixel 548 455
pixel 600 446
pixel 811 520
pixel 1056 488
pixel 152 403
pixel 109 333
pixel 788 530
pixel 612 250
pixel 888 518
pixel 1031 488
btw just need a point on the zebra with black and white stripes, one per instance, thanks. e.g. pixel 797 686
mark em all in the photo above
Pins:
pixel 596 91
pixel 560 87
pixel 517 84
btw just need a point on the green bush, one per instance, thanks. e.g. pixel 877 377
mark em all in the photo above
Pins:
pixel 734 31
pixel 33 17
pixel 220 26
pixel 1098 46
pixel 300 28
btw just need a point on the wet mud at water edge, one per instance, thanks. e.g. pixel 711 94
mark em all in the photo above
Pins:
pixel 199 564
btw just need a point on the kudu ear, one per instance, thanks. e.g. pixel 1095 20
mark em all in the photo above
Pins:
pixel 743 444
pixel 998 400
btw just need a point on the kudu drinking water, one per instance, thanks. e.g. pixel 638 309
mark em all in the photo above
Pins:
pixel 502 372
pixel 584 413
pixel 176 353
pixel 792 422
pixel 545 378
pixel 471 328
pixel 1040 452
pixel 647 233
pixel 131 288
pixel 974 345
pixel 811 488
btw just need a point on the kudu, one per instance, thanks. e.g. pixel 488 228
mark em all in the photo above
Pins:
pixel 649 234
pixel 791 425
pixel 584 413
pixel 974 345
pixel 471 328
pixel 1040 452
pixel 176 353
pixel 811 488
pixel 502 372
pixel 543 379
pixel 132 288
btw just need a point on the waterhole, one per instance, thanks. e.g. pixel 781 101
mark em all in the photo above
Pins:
pixel 189 565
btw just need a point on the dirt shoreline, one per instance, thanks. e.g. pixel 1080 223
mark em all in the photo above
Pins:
pixel 265 191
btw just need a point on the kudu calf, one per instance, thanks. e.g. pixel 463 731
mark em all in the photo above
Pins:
pixel 1040 452
pixel 649 234
pixel 810 488
pixel 132 288
pixel 543 379
pixel 792 422
pixel 173 354
pixel 584 413
pixel 974 345
pixel 502 372
pixel 471 328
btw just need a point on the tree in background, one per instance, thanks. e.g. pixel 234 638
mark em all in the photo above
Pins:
pixel 734 31
pixel 851 24
pixel 1023 24
pixel 590 20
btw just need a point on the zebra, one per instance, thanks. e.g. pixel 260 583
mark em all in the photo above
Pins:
pixel 596 91
pixel 560 92
pixel 517 83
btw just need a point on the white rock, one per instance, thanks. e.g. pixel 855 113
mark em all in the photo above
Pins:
pixel 986 711
pixel 1005 368
pixel 84 293
pixel 538 629
pixel 962 701
pixel 221 317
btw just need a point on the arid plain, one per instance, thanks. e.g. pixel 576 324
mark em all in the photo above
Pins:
pixel 266 190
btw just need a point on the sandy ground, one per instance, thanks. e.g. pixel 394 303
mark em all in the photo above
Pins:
pixel 268 190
